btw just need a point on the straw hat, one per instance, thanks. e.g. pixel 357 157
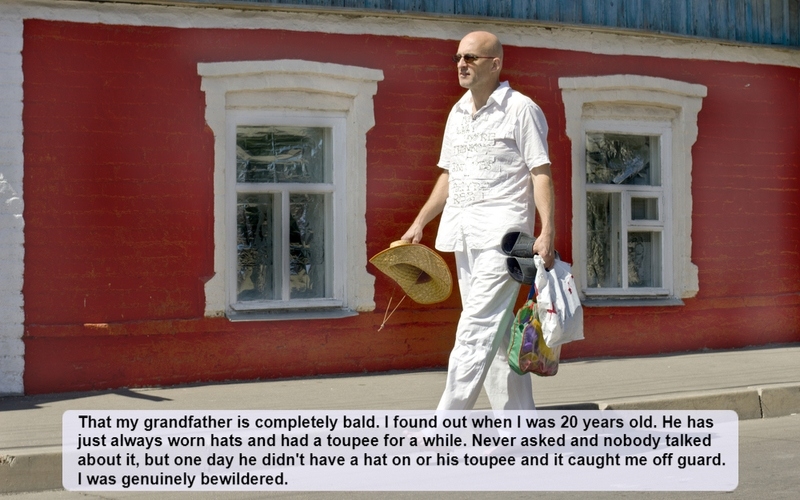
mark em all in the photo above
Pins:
pixel 419 271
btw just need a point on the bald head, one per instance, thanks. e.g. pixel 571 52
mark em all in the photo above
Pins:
pixel 487 43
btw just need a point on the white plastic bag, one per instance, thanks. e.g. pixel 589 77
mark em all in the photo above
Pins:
pixel 560 310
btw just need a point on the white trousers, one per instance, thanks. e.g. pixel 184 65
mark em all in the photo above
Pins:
pixel 479 357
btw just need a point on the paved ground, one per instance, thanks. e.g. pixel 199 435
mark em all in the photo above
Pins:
pixel 756 383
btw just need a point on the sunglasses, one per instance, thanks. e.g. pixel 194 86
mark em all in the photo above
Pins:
pixel 469 58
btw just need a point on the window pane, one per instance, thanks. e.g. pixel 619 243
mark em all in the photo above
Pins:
pixel 307 245
pixel 255 269
pixel 280 154
pixel 622 159
pixel 644 208
pixel 602 227
pixel 644 259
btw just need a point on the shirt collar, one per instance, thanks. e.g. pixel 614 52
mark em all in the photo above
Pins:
pixel 498 96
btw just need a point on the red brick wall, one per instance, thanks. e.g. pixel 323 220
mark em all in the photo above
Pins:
pixel 119 210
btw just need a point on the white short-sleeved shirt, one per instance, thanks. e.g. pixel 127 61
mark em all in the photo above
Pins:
pixel 489 157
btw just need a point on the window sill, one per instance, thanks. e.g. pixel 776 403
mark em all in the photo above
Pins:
pixel 631 302
pixel 286 305
pixel 289 315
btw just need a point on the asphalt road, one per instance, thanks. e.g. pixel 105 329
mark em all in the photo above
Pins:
pixel 769 468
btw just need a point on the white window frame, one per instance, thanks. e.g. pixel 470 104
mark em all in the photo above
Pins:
pixel 638 105
pixel 293 91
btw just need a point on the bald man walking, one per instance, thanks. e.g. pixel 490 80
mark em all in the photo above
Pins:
pixel 495 176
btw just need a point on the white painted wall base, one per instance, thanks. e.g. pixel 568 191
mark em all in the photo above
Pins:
pixel 12 250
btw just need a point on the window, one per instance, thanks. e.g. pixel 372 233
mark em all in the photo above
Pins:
pixel 625 204
pixel 631 183
pixel 289 188
pixel 285 198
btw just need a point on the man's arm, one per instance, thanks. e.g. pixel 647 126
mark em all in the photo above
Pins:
pixel 544 198
pixel 430 209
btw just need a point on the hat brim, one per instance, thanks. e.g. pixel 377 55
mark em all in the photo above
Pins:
pixel 421 273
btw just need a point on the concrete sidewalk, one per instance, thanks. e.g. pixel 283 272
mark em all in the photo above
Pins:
pixel 756 383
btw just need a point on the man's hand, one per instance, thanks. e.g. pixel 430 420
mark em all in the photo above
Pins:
pixel 544 247
pixel 414 234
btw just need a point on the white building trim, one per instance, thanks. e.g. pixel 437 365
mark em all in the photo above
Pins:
pixel 12 249
pixel 646 100
pixel 292 86
pixel 594 40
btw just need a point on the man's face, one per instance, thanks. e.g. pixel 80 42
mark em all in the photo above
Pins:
pixel 479 73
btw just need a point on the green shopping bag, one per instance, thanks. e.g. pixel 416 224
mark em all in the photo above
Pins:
pixel 527 351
